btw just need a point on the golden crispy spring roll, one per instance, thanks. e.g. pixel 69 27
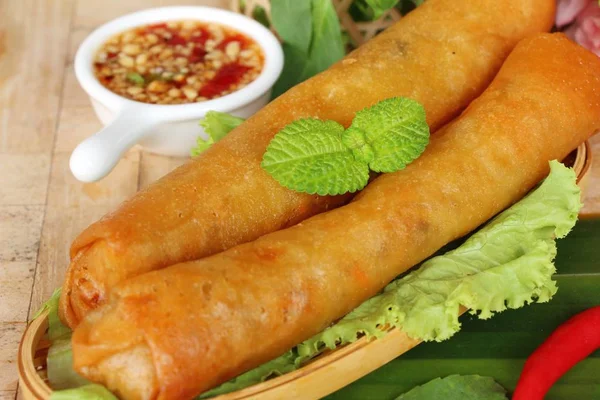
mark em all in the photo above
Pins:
pixel 443 55
pixel 174 333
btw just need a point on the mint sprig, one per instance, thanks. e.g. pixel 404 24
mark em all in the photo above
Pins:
pixel 320 157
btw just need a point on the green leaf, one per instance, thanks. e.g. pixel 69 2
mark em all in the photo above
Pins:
pixel 295 69
pixel 277 367
pixel 506 264
pixel 458 387
pixel 292 20
pixel 216 125
pixel 201 146
pixel 326 44
pixel 61 374
pixel 498 347
pixel 88 392
pixel 136 78
pixel 308 156
pixel 389 135
pixel 56 329
pixel 50 304
pixel 320 157
pixel 60 358
pixel 260 14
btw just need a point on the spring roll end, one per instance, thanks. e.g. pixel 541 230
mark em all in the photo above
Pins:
pixel 124 364
pixel 84 288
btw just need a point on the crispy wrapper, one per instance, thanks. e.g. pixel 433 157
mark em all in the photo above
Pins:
pixel 174 333
pixel 443 55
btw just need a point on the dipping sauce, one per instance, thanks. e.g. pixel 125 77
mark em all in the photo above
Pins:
pixel 178 62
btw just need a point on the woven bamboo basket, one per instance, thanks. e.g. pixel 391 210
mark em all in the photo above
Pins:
pixel 325 374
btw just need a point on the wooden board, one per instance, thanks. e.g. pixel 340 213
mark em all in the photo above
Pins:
pixel 33 46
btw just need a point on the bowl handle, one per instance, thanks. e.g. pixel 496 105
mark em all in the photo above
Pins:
pixel 97 155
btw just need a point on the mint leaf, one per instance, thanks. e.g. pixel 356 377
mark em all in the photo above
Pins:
pixel 388 135
pixel 216 125
pixel 308 156
pixel 314 156
pixel 457 387
pixel 357 142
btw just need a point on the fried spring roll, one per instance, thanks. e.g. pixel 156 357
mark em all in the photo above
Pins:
pixel 443 55
pixel 174 333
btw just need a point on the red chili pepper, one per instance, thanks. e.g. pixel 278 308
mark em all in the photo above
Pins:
pixel 197 55
pixel 176 39
pixel 228 75
pixel 570 343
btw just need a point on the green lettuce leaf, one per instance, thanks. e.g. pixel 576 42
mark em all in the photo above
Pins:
pixel 457 387
pixel 216 125
pixel 56 329
pixel 506 264
pixel 51 303
pixel 61 374
pixel 60 357
pixel 277 367
pixel 88 392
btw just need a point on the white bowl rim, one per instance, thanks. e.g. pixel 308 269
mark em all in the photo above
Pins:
pixel 265 38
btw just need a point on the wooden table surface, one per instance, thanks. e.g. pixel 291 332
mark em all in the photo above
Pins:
pixel 43 115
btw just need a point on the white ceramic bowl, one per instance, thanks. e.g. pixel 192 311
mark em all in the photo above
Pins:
pixel 163 129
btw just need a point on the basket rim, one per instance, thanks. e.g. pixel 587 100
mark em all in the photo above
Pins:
pixel 37 328
pixel 33 384
pixel 583 160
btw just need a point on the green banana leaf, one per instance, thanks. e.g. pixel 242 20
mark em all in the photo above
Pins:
pixel 498 347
